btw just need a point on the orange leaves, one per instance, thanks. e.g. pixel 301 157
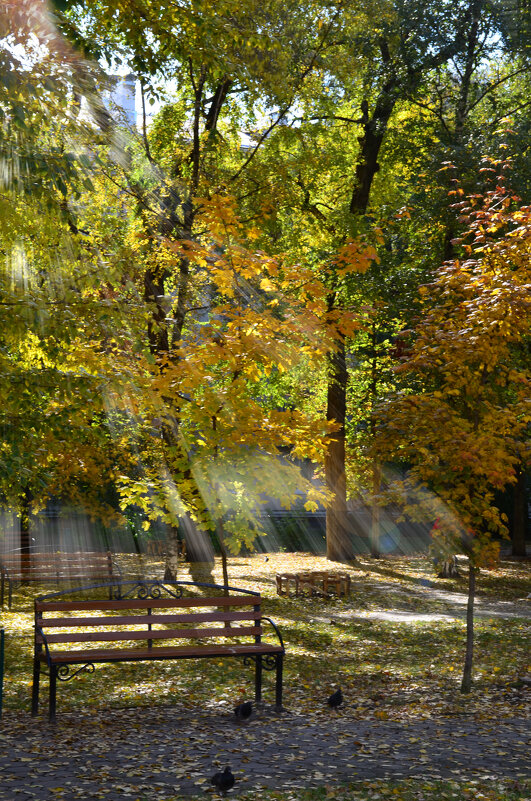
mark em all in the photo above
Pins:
pixel 218 212
pixel 354 257
pixel 462 433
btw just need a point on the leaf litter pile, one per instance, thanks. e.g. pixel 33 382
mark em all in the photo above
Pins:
pixel 395 646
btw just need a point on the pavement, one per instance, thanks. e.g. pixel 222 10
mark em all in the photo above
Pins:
pixel 155 753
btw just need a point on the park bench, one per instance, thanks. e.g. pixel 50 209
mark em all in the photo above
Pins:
pixel 54 567
pixel 151 627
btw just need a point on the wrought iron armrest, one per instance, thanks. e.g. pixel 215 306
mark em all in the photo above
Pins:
pixel 43 635
pixel 277 632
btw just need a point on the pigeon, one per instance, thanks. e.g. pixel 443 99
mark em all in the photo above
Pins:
pixel 223 780
pixel 336 699
pixel 244 711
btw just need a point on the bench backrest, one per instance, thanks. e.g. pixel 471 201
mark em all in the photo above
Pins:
pixel 57 564
pixel 148 620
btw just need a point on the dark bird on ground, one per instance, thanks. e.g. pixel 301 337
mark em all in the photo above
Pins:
pixel 244 711
pixel 223 780
pixel 336 699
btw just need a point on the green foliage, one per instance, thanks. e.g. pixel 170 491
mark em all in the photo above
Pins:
pixel 174 303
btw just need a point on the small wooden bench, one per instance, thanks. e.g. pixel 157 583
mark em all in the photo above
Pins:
pixel 317 582
pixel 151 627
pixel 55 567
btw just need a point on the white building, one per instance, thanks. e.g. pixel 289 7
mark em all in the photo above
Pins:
pixel 122 100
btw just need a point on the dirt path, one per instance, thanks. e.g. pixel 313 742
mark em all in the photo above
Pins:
pixel 446 605
pixel 154 754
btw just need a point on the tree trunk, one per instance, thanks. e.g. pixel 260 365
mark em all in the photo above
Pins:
pixel 374 131
pixel 375 512
pixel 519 527
pixel 466 684
pixel 171 569
pixel 224 555
pixel 376 469
pixel 339 546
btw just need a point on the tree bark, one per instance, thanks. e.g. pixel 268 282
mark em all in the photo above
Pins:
pixel 466 684
pixel 339 547
pixel 375 512
pixel 224 555
pixel 376 468
pixel 375 125
pixel 171 568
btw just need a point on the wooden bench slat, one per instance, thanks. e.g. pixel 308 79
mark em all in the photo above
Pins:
pixel 56 567
pixel 159 603
pixel 44 577
pixel 58 559
pixel 44 557
pixel 166 652
pixel 127 620
pixel 43 560
pixel 153 634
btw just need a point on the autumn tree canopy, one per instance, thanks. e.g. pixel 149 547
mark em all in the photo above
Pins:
pixel 236 276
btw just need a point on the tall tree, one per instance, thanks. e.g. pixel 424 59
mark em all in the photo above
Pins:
pixel 461 420
pixel 57 329
pixel 192 273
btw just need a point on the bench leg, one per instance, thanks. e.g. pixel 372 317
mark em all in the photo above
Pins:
pixel 53 693
pixel 278 684
pixel 258 680
pixel 35 688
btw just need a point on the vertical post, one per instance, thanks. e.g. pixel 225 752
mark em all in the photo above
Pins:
pixel 257 637
pixel 37 649
pixel 258 668
pixel 1 669
pixel 278 686
pixel 53 692
pixel 258 680
pixel 149 642
pixel 109 570
pixel 466 684
pixel 35 687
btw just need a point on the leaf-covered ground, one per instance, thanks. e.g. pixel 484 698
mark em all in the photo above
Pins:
pixel 395 646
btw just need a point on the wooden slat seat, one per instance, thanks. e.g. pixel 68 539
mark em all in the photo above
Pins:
pixel 155 628
pixel 54 568
pixel 147 654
